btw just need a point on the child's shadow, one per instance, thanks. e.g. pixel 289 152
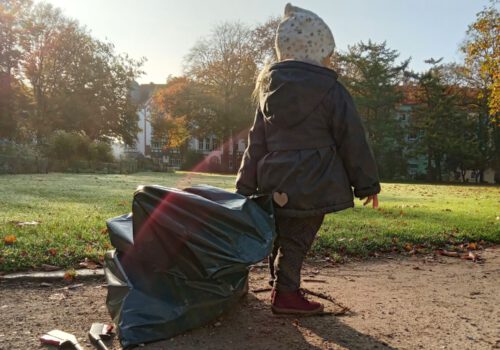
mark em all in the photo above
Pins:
pixel 251 325
pixel 334 332
pixel 328 332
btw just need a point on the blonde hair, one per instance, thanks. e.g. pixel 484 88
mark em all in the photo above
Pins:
pixel 259 82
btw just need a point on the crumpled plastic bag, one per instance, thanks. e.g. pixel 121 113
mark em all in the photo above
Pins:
pixel 182 258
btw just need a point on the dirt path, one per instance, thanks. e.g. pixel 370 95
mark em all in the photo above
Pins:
pixel 398 303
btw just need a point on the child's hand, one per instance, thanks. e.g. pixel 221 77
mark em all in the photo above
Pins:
pixel 369 199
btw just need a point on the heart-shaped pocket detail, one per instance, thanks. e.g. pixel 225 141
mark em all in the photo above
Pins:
pixel 280 198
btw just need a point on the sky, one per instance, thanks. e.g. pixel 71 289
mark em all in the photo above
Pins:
pixel 163 31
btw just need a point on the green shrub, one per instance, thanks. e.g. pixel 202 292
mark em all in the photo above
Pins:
pixel 70 149
pixel 191 159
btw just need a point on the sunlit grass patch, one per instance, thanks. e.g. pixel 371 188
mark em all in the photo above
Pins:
pixel 70 211
pixel 415 214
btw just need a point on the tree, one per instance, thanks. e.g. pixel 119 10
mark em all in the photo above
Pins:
pixel 13 102
pixel 482 57
pixel 481 74
pixel 446 130
pixel 169 111
pixel 214 96
pixel 77 82
pixel 263 37
pixel 223 67
pixel 371 74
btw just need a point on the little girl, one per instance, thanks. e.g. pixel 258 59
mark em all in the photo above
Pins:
pixel 307 147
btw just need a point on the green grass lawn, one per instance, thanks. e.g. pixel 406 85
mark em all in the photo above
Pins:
pixel 72 208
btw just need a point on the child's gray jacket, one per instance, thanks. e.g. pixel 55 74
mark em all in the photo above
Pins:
pixel 307 142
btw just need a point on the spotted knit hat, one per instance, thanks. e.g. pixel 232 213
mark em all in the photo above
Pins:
pixel 303 36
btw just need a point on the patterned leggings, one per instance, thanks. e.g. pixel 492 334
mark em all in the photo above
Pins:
pixel 295 237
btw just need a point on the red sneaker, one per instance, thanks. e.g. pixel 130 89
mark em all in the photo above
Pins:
pixel 293 303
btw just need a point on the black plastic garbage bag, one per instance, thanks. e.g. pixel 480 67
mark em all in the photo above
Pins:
pixel 182 258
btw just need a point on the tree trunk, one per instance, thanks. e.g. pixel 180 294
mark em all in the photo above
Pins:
pixel 430 172
pixel 438 168
pixel 225 157
pixel 236 165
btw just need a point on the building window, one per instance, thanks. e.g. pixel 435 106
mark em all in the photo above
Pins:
pixel 132 148
pixel 214 161
pixel 241 145
pixel 156 146
pixel 175 161
pixel 215 144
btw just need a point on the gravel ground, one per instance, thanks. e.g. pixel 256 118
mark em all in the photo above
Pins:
pixel 422 302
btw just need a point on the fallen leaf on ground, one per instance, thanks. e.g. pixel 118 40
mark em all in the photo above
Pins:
pixel 472 246
pixel 9 240
pixel 52 251
pixel 69 275
pixel 104 231
pixel 89 264
pixel 408 247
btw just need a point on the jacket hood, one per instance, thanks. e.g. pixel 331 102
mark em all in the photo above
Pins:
pixel 303 36
pixel 291 91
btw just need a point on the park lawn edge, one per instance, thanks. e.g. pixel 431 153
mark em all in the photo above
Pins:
pixel 72 210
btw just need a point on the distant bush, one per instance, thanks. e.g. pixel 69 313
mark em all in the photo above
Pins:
pixel 67 152
pixel 191 159
pixel 101 152
pixel 70 148
pixel 19 158
pixel 12 149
